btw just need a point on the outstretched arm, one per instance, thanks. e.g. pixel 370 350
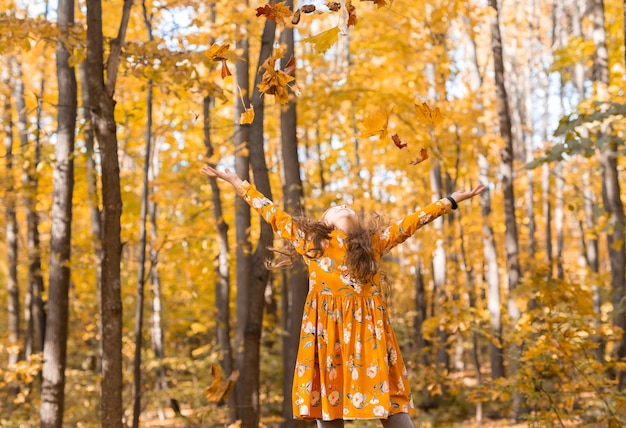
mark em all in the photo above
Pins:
pixel 461 195
pixel 280 221
pixel 403 229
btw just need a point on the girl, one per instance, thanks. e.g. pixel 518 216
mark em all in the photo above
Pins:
pixel 349 364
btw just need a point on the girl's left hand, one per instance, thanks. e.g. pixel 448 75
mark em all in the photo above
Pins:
pixel 462 194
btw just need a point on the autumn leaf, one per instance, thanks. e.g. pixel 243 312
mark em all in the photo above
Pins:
pixel 247 117
pixel 324 40
pixel 398 142
pixel 378 3
pixel 351 13
pixel 225 70
pixel 218 52
pixel 220 389
pixel 376 123
pixel 428 115
pixel 333 6
pixel 290 68
pixel 275 82
pixel 275 11
pixel 423 157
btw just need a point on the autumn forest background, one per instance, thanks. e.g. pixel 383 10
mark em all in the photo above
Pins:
pixel 135 289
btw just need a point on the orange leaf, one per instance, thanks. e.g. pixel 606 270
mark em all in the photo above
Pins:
pixel 220 389
pixel 247 117
pixel 398 142
pixel 225 70
pixel 351 13
pixel 275 11
pixel 423 157
pixel 428 115
pixel 290 68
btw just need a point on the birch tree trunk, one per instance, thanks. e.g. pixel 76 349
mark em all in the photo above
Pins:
pixel 494 301
pixel 55 345
pixel 13 304
pixel 103 120
pixel 296 285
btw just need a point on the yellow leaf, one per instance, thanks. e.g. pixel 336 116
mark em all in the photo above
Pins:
pixel 428 115
pixel 220 389
pixel 324 40
pixel 376 123
pixel 247 117
pixel 617 244
pixel 218 52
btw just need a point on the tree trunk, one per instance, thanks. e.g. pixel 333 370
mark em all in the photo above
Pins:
pixel 29 198
pixel 494 301
pixel 55 345
pixel 296 289
pixel 141 275
pixel 611 192
pixel 33 310
pixel 507 171
pixel 256 301
pixel 92 197
pixel 103 120
pixel 243 247
pixel 222 272
pixel 13 312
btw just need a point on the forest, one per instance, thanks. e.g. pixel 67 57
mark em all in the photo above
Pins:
pixel 136 290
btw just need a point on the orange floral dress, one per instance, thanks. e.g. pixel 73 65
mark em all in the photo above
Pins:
pixel 349 364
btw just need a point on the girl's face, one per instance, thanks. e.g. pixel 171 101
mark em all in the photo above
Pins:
pixel 342 217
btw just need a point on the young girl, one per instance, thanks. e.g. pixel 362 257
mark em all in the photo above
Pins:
pixel 349 364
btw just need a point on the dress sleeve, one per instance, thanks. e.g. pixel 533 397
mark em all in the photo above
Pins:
pixel 281 222
pixel 401 230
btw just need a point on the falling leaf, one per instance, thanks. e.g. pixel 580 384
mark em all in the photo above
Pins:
pixel 423 157
pixel 398 142
pixel 218 52
pixel 225 70
pixel 324 40
pixel 351 14
pixel 376 123
pixel 296 17
pixel 220 389
pixel 378 3
pixel 275 11
pixel 333 6
pixel 428 115
pixel 275 82
pixel 290 68
pixel 247 117
pixel 308 8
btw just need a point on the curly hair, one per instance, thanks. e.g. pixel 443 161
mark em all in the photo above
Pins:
pixel 361 257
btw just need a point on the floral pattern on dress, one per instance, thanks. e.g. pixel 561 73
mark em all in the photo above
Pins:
pixel 349 364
